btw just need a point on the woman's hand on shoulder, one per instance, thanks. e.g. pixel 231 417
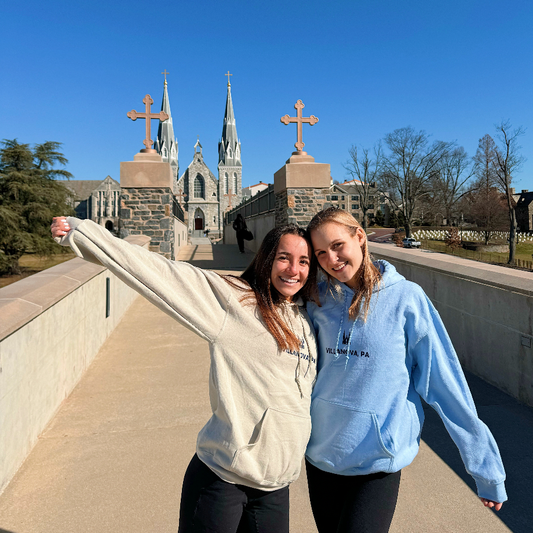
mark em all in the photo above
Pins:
pixel 59 227
pixel 491 505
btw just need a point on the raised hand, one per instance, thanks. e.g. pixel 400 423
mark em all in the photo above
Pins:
pixel 59 227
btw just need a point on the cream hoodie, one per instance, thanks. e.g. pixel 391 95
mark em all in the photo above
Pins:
pixel 260 425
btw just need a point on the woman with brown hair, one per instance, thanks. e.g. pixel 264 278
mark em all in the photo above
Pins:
pixel 382 347
pixel 263 366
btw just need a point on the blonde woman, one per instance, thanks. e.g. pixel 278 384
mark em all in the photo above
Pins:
pixel 382 347
pixel 263 366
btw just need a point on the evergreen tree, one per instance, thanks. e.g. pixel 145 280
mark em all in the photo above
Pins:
pixel 29 197
pixel 379 219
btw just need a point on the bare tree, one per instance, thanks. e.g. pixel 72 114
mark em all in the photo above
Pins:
pixel 484 200
pixel 408 167
pixel 508 162
pixel 454 170
pixel 364 171
pixel 487 208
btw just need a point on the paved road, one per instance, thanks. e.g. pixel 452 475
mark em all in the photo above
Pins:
pixel 113 458
pixel 380 234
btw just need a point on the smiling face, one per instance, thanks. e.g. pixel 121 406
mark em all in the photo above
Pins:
pixel 291 265
pixel 339 252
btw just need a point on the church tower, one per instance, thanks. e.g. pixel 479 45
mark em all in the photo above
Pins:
pixel 229 160
pixel 166 143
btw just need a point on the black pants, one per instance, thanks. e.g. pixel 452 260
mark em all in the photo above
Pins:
pixel 211 505
pixel 240 240
pixel 352 504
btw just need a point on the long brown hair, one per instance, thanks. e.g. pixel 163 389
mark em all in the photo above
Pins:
pixel 261 291
pixel 368 276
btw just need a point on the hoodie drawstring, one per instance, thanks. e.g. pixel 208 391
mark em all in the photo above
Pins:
pixel 341 330
pixel 297 370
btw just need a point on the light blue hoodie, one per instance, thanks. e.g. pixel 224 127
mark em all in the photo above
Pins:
pixel 366 410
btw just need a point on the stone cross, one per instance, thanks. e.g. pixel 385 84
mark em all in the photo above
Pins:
pixel 180 196
pixel 312 120
pixel 134 115
pixel 228 75
pixel 230 196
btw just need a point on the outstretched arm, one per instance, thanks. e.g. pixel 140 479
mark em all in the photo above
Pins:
pixel 197 298
pixel 439 380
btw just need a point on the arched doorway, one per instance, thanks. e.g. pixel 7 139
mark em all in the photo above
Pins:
pixel 109 226
pixel 199 219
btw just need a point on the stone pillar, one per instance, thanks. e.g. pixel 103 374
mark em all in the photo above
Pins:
pixel 146 201
pixel 300 187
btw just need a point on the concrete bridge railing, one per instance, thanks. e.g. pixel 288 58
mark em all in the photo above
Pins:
pixel 52 325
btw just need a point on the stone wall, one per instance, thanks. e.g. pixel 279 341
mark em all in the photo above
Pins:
pixel 148 211
pixel 298 206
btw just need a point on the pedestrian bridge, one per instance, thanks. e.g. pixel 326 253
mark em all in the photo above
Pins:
pixel 113 457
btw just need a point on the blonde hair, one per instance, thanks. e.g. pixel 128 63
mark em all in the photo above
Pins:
pixel 368 276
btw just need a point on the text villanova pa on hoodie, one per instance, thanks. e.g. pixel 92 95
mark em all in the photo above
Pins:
pixel 260 396
pixel 366 410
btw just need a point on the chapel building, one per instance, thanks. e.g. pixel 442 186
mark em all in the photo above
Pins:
pixel 203 196
pixel 97 200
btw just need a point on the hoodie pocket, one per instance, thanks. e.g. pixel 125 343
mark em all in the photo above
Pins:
pixel 276 448
pixel 349 440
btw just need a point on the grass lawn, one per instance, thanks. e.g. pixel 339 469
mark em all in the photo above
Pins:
pixel 523 252
pixel 32 263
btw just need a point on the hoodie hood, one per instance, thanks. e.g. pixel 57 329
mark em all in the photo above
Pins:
pixel 390 276
pixel 343 295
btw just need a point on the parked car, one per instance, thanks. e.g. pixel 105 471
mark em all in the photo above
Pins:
pixel 411 243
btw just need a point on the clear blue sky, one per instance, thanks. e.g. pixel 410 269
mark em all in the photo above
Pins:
pixel 70 71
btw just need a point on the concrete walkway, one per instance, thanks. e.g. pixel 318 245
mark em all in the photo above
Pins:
pixel 113 458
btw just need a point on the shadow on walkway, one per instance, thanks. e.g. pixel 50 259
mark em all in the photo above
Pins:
pixel 219 257
pixel 512 426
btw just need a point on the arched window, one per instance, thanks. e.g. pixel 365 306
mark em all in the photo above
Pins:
pixel 226 184
pixel 235 183
pixel 199 187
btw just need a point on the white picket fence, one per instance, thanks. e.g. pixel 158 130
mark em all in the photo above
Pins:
pixel 468 235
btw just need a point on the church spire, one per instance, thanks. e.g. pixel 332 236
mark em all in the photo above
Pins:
pixel 166 143
pixel 229 147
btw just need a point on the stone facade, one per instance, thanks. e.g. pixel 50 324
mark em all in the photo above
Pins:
pixel 204 197
pixel 298 206
pixel 199 188
pixel 300 186
pixel 229 178
pixel 97 200
pixel 148 211
pixel 166 144
pixel 349 197
pixel 229 160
